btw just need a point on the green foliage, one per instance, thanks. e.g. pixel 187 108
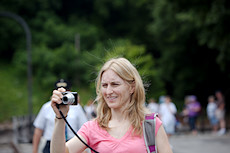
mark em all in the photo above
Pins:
pixel 177 46
pixel 9 30
pixel 123 19
pixel 13 97
pixel 191 37
pixel 211 21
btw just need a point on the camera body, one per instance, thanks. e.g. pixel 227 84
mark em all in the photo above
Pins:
pixel 69 98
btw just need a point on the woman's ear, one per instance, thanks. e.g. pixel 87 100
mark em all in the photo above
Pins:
pixel 132 87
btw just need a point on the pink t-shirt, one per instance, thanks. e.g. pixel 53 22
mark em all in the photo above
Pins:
pixel 101 141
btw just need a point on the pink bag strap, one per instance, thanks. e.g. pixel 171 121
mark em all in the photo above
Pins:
pixel 149 125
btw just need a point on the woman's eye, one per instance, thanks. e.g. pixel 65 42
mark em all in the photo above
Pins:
pixel 104 85
pixel 115 84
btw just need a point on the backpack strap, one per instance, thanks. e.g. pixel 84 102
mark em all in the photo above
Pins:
pixel 149 125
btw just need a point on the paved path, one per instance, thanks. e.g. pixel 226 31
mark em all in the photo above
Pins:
pixel 202 143
pixel 182 143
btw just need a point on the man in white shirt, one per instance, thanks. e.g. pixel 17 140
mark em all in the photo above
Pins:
pixel 44 122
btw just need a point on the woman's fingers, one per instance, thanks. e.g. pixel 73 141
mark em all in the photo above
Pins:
pixel 57 95
pixel 61 89
pixel 57 99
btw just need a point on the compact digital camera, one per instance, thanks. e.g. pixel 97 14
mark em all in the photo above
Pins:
pixel 69 98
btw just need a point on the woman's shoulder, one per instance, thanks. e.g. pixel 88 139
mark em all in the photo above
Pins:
pixel 92 128
pixel 91 123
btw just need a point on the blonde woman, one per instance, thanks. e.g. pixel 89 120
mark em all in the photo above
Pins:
pixel 121 111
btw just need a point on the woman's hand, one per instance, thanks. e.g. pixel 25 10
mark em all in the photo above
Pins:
pixel 57 99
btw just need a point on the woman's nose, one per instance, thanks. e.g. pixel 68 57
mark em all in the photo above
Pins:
pixel 109 90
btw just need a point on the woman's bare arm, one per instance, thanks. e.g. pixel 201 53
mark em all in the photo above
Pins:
pixel 58 139
pixel 58 144
pixel 162 142
pixel 74 145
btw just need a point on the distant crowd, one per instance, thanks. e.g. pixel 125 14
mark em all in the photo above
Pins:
pixel 167 111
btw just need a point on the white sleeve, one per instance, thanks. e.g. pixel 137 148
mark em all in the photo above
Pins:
pixel 82 118
pixel 174 110
pixel 39 121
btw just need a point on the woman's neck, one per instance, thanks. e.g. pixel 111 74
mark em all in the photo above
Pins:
pixel 117 114
pixel 118 119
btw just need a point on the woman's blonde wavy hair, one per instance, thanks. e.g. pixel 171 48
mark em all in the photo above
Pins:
pixel 134 110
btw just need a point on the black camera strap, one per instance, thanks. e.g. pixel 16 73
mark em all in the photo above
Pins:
pixel 73 130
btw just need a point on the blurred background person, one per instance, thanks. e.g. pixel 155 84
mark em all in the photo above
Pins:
pixel 211 113
pixel 90 109
pixel 220 112
pixel 153 105
pixel 44 122
pixel 161 99
pixel 167 111
pixel 193 109
pixel 184 112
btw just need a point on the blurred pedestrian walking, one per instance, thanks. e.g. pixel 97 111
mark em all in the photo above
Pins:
pixel 167 113
pixel 220 113
pixel 211 113
pixel 193 109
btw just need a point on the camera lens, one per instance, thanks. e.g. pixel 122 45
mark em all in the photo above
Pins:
pixel 69 98
pixel 65 99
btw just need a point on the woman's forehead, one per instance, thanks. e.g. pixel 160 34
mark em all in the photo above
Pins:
pixel 110 76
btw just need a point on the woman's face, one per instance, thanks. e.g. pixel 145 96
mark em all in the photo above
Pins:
pixel 116 92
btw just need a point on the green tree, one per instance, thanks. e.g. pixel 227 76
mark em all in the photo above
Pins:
pixel 192 38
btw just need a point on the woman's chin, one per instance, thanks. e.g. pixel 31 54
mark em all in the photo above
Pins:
pixel 112 105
